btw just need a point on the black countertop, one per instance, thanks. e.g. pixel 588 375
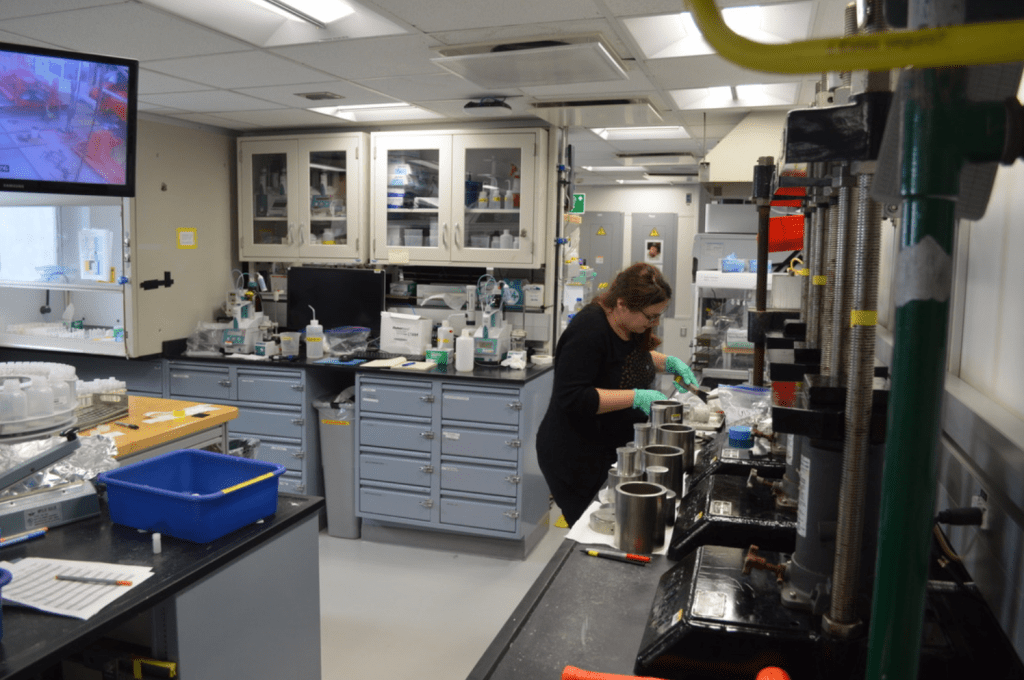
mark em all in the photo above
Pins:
pixel 33 641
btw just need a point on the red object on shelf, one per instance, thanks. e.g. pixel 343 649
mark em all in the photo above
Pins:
pixel 797 202
pixel 784 393
pixel 785 233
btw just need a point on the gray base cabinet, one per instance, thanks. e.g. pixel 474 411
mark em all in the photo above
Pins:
pixel 273 406
pixel 451 454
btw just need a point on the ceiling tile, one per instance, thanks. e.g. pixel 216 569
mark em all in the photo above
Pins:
pixel 446 15
pixel 124 30
pixel 286 94
pixel 281 118
pixel 151 82
pixel 706 71
pixel 11 9
pixel 637 82
pixel 216 121
pixel 209 101
pixel 406 55
pixel 253 68
pixel 552 30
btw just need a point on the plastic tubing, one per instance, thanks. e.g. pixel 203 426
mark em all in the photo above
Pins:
pixel 981 43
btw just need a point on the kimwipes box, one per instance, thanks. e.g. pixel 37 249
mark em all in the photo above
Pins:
pixel 404 333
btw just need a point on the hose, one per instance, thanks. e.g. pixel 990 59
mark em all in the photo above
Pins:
pixel 980 43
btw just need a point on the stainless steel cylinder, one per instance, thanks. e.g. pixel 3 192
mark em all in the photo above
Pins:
pixel 682 436
pixel 641 435
pixel 631 460
pixel 638 512
pixel 657 474
pixel 671 457
pixel 666 411
pixel 615 478
pixel 670 508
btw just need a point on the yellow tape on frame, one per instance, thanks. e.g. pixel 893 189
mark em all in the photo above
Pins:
pixel 863 318
pixel 820 280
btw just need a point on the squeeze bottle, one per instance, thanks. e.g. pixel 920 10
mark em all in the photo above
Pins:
pixel 445 336
pixel 14 403
pixel 464 352
pixel 314 338
pixel 506 240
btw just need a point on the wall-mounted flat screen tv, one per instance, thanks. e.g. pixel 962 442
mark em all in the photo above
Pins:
pixel 67 122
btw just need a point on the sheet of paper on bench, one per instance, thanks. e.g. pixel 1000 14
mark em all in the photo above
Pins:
pixel 34 585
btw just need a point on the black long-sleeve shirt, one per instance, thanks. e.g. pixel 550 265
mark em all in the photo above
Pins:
pixel 575 445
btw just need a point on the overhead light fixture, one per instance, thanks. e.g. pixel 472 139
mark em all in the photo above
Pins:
pixel 644 132
pixel 737 96
pixel 612 168
pixel 487 106
pixel 657 158
pixel 524 65
pixel 364 113
pixel 316 12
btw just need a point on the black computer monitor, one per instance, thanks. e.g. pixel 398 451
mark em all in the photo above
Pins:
pixel 341 297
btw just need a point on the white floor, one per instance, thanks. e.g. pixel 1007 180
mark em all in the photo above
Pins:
pixel 397 612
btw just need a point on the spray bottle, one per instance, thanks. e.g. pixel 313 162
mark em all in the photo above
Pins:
pixel 314 338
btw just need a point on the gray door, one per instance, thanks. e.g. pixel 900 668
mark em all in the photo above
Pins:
pixel 658 229
pixel 601 245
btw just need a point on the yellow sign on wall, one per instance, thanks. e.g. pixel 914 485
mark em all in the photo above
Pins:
pixel 187 238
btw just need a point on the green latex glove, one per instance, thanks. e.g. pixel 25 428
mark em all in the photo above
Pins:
pixel 675 365
pixel 642 399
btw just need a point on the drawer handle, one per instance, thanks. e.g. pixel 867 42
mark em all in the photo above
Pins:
pixel 513 479
pixel 427 435
pixel 299 454
pixel 224 383
pixel 516 406
pixel 429 469
pixel 428 398
pixel 298 421
pixel 511 514
pixel 300 489
pixel 514 443
pixel 427 503
pixel 298 388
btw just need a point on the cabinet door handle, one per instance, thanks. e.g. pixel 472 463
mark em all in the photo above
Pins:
pixel 428 398
pixel 299 387
pixel 427 435
pixel 514 443
pixel 302 233
pixel 224 383
pixel 298 421
pixel 429 469
pixel 291 233
pixel 513 479
pixel 458 236
pixel 511 514
pixel 300 489
pixel 427 503
pixel 299 455
pixel 516 406
pixel 444 234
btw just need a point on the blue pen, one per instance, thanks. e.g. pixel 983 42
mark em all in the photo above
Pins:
pixel 409 363
pixel 22 537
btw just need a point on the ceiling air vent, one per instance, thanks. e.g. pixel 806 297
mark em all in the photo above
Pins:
pixel 318 96
pixel 598 113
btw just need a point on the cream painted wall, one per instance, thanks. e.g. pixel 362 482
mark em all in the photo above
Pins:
pixel 658 199
pixel 185 178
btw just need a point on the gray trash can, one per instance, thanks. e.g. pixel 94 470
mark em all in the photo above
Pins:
pixel 337 455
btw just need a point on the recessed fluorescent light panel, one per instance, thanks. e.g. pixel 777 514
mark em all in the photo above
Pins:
pixel 676 35
pixel 272 23
pixel 635 133
pixel 737 96
pixel 612 168
pixel 374 113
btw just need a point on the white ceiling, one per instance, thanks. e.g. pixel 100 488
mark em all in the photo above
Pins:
pixel 195 73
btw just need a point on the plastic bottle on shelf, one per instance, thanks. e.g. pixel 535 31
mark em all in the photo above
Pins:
pixel 506 240
pixel 509 200
pixel 578 306
pixel 314 338
pixel 464 352
pixel 445 336
pixel 39 397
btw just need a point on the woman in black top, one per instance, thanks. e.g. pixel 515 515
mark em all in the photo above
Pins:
pixel 604 363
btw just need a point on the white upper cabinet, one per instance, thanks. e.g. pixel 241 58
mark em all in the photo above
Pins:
pixel 303 198
pixel 458 198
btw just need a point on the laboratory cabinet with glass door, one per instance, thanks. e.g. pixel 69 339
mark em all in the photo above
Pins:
pixel 301 198
pixel 459 197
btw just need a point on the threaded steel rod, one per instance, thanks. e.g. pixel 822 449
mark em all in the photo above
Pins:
pixel 829 294
pixel 843 302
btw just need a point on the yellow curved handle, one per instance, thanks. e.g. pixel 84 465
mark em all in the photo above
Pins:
pixel 236 487
pixel 984 43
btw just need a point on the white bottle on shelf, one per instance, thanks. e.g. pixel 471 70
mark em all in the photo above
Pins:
pixel 464 352
pixel 506 240
pixel 445 336
pixel 314 339
pixel 13 402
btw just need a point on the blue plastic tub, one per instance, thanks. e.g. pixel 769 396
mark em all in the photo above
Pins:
pixel 195 495
pixel 5 578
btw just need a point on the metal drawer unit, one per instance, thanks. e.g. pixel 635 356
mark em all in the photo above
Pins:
pixel 273 406
pixel 450 454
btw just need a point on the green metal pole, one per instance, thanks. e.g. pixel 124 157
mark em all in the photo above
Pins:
pixel 941 130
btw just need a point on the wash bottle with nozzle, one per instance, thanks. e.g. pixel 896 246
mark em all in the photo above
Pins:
pixel 314 338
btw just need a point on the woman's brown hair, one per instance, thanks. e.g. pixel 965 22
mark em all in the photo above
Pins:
pixel 638 286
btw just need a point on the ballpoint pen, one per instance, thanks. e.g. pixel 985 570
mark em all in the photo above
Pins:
pixel 92 580
pixel 620 557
